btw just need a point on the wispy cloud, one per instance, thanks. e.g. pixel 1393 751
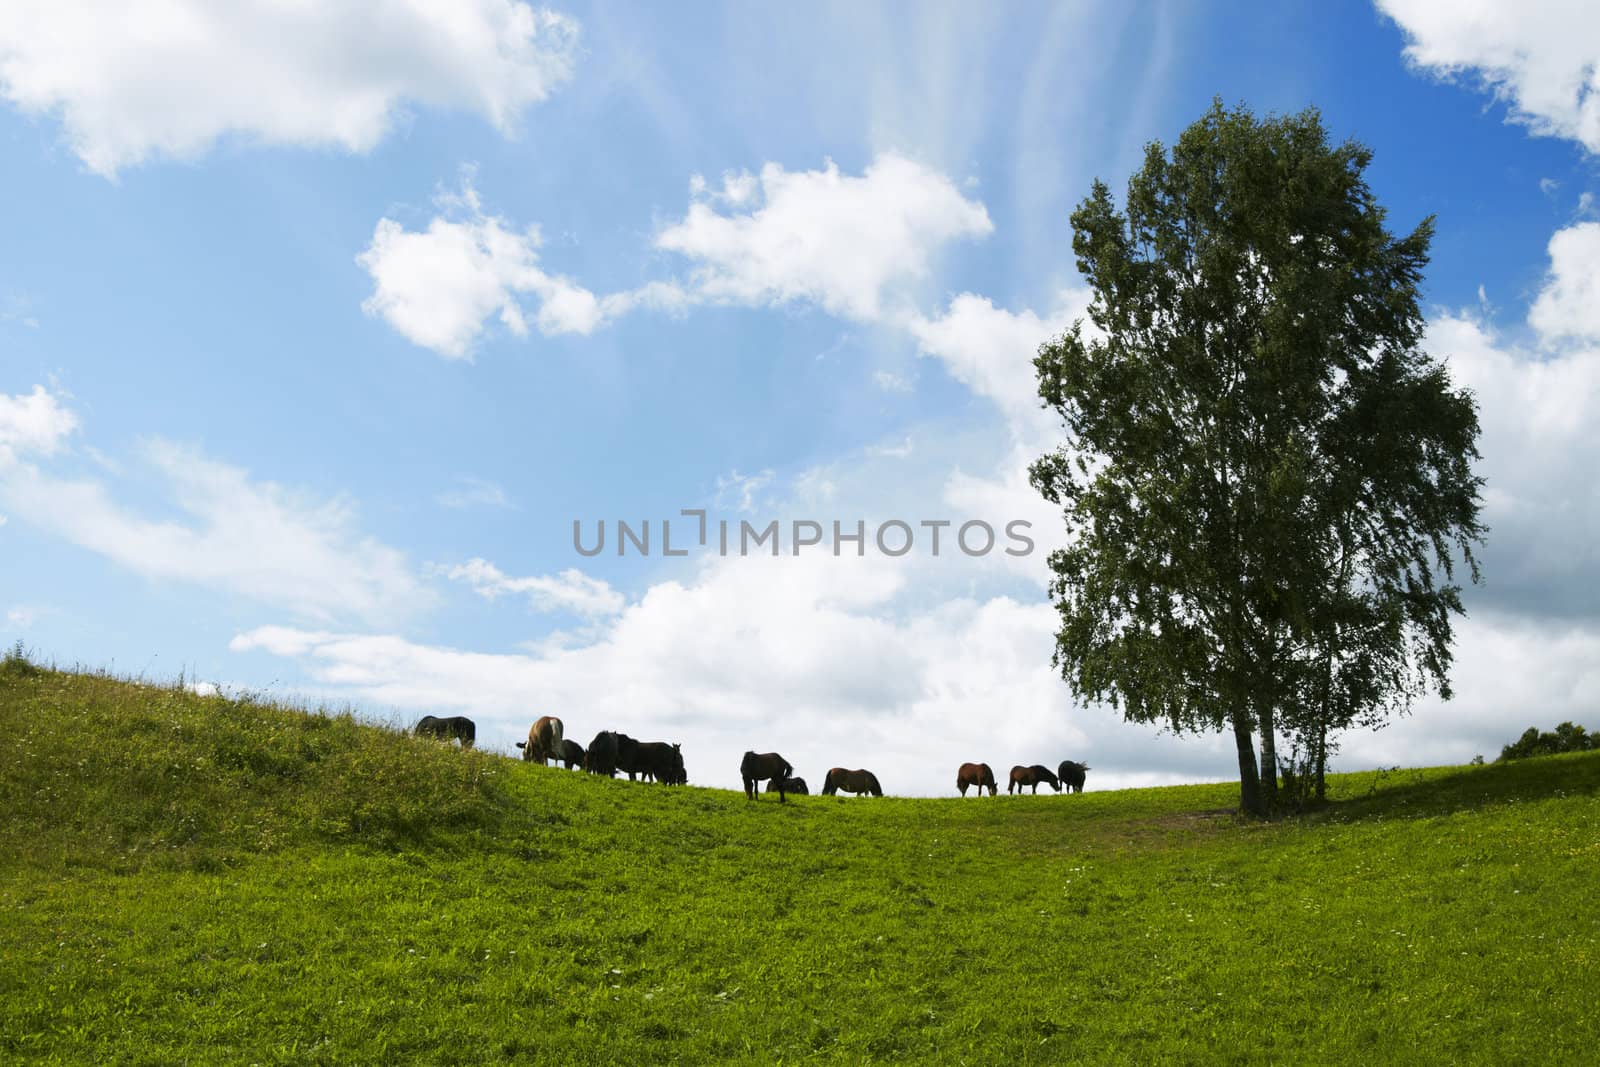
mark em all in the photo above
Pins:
pixel 570 590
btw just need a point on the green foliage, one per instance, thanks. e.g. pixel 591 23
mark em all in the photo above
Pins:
pixel 200 897
pixel 1265 482
pixel 1565 738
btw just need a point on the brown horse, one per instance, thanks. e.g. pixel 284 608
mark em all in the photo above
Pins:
pixel 851 782
pixel 1021 777
pixel 1072 774
pixel 760 766
pixel 797 786
pixel 544 740
pixel 978 774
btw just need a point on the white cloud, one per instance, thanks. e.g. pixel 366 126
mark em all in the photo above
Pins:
pixel 1509 674
pixel 890 382
pixel 33 424
pixel 848 244
pixel 898 451
pixel 145 78
pixel 803 655
pixel 1568 308
pixel 571 590
pixel 738 491
pixel 20 618
pixel 438 287
pixel 1542 56
pixel 241 536
pixel 1540 418
pixel 990 350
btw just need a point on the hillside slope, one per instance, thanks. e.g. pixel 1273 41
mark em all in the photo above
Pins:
pixel 193 878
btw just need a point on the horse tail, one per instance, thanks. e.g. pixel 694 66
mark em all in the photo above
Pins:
pixel 872 779
pixel 827 785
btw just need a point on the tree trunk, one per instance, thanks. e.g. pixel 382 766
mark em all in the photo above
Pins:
pixel 1269 758
pixel 1322 759
pixel 1250 800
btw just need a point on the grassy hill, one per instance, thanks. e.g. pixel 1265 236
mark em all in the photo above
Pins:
pixel 188 878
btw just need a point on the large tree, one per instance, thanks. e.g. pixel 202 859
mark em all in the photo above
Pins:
pixel 1267 485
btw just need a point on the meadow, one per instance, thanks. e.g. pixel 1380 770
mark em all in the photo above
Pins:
pixel 189 878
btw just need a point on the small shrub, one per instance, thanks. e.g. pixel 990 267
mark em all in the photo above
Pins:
pixel 17 664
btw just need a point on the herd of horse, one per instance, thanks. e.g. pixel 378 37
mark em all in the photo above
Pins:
pixel 611 753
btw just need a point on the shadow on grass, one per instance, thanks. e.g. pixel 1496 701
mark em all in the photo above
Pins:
pixel 1405 793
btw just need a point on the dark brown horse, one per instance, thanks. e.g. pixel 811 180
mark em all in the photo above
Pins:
pixel 1072 774
pixel 851 782
pixel 1021 777
pixel 797 786
pixel 978 774
pixel 456 727
pixel 760 766
pixel 544 740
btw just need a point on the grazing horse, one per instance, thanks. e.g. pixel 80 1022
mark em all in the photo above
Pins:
pixel 978 774
pixel 659 760
pixel 602 755
pixel 453 728
pixel 756 767
pixel 627 755
pixel 1026 776
pixel 851 782
pixel 797 786
pixel 1072 774
pixel 571 753
pixel 544 740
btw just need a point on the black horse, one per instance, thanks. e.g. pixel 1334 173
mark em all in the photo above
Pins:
pixel 1022 777
pixel 797 786
pixel 851 782
pixel 602 755
pixel 659 760
pixel 456 727
pixel 1072 774
pixel 571 753
pixel 756 767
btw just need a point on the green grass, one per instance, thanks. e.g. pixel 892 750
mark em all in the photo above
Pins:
pixel 193 879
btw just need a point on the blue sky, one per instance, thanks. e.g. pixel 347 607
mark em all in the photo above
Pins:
pixel 319 330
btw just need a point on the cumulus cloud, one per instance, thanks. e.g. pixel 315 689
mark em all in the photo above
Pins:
pixel 439 287
pixel 144 78
pixel 571 590
pixel 1540 417
pixel 848 244
pixel 1542 57
pixel 1568 308
pixel 236 534
pixel 990 350
pixel 33 424
pixel 808 656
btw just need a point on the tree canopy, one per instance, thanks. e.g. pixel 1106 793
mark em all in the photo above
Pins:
pixel 1267 485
